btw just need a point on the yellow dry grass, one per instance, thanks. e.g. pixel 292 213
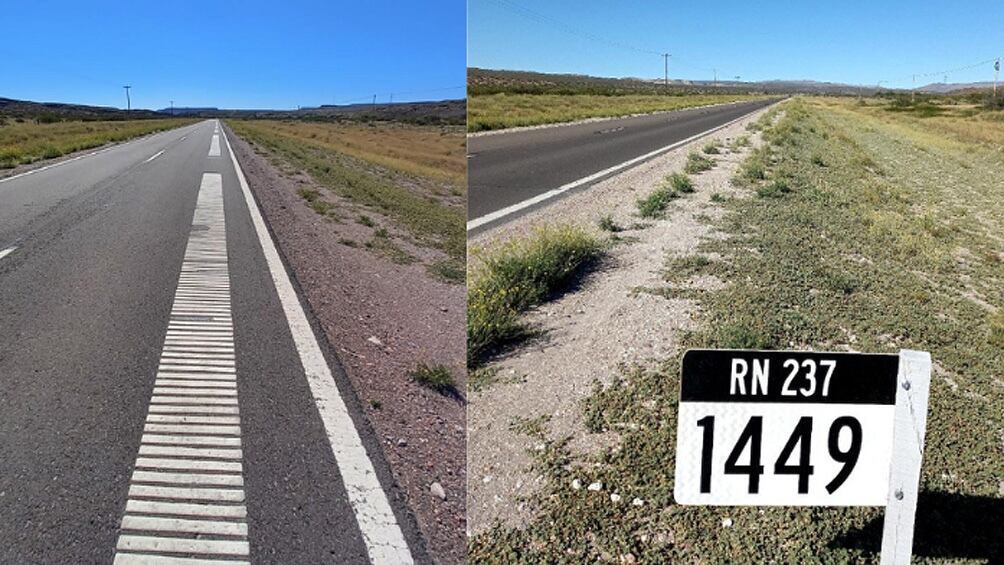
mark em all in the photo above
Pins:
pixel 436 152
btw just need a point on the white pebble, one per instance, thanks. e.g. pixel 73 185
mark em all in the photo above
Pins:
pixel 727 523
pixel 576 484
pixel 637 502
pixel 615 497
pixel 595 486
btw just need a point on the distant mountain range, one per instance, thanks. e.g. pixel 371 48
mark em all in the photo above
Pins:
pixel 438 111
pixel 947 87
pixel 432 112
pixel 25 108
pixel 487 81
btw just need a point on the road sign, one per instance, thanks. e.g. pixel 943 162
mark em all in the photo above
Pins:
pixel 795 428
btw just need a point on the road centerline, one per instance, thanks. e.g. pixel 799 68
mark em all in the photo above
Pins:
pixel 186 495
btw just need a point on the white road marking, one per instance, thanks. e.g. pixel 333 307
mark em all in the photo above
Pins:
pixel 7 251
pixel 191 445
pixel 185 509
pixel 131 559
pixel 382 534
pixel 544 196
pixel 185 525
pixel 186 464
pixel 214 146
pixel 155 155
pixel 182 545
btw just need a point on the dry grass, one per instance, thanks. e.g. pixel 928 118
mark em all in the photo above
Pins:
pixel 391 171
pixel 26 141
pixel 436 152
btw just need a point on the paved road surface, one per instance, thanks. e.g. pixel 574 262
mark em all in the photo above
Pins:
pixel 154 398
pixel 508 171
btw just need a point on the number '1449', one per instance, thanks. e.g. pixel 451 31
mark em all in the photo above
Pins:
pixel 799 439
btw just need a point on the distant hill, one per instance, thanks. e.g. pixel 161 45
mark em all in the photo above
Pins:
pixel 489 81
pixel 60 111
pixel 183 111
pixel 948 87
pixel 432 112
pixel 439 111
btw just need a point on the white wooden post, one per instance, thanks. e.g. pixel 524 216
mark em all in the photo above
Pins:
pixel 912 388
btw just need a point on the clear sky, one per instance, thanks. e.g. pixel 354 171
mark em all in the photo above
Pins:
pixel 232 54
pixel 843 41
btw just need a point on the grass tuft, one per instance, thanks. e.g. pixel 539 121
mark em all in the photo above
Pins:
pixel 697 163
pixel 712 147
pixel 436 377
pixel 519 275
pixel 607 223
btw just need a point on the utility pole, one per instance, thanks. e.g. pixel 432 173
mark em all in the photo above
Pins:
pixel 716 76
pixel 665 57
pixel 997 74
pixel 913 91
pixel 391 99
pixel 374 101
pixel 172 107
pixel 128 101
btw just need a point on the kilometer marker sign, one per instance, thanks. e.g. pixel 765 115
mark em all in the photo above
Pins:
pixel 794 428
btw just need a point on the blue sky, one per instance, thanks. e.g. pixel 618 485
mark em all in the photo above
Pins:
pixel 232 54
pixel 850 41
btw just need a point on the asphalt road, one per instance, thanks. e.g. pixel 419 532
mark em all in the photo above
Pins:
pixel 507 169
pixel 138 265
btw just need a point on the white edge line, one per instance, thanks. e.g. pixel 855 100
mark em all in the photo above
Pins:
pixel 78 157
pixel 381 532
pixel 155 155
pixel 513 208
pixel 7 251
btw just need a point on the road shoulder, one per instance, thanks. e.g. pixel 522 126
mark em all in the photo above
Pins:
pixel 381 319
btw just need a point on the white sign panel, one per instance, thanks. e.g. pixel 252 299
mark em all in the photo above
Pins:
pixel 773 428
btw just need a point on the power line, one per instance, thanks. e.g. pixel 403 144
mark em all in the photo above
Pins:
pixel 398 93
pixel 682 62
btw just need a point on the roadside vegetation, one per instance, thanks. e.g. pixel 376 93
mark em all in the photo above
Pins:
pixel 867 228
pixel 413 176
pixel 522 273
pixel 25 140
pixel 506 110
pixel 655 203
pixel 436 377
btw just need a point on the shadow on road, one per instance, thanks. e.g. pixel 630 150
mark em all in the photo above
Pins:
pixel 949 526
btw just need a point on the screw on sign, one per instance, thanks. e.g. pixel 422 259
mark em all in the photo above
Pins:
pixel 795 428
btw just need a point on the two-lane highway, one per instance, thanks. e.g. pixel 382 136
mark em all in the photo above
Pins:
pixel 163 397
pixel 511 173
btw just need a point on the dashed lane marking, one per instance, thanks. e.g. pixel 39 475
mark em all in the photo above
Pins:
pixel 7 251
pixel 155 155
pixel 186 501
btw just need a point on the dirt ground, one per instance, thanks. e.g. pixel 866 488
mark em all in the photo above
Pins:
pixel 609 322
pixel 382 319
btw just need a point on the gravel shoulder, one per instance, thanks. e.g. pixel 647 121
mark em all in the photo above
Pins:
pixel 382 319
pixel 609 322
